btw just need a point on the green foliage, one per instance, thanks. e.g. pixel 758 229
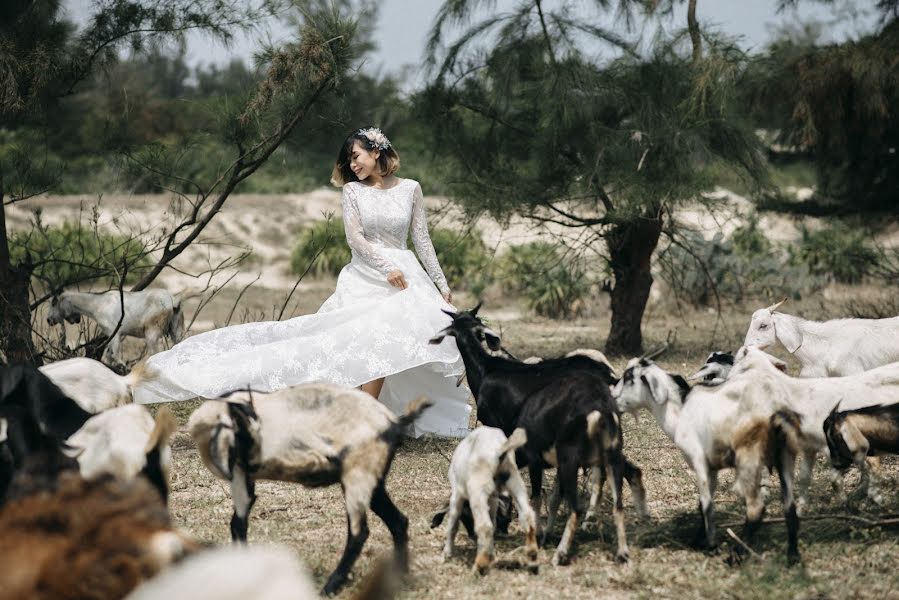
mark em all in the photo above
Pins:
pixel 552 283
pixel 74 252
pixel 703 271
pixel 321 234
pixel 838 251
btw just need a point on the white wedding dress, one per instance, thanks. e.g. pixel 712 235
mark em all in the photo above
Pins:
pixel 367 329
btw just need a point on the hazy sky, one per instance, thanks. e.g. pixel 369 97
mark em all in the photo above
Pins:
pixel 403 25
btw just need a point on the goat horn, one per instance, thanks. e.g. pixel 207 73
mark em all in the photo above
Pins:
pixel 474 311
pixel 774 307
pixel 652 355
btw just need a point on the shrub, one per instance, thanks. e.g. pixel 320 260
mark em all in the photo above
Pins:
pixel 333 258
pixel 838 251
pixel 554 285
pixel 74 252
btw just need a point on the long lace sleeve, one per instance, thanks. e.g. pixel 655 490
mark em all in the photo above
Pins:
pixel 355 236
pixel 422 242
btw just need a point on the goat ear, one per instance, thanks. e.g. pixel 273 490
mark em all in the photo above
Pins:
pixel 787 332
pixel 436 339
pixel 656 388
pixel 448 312
pixel 493 341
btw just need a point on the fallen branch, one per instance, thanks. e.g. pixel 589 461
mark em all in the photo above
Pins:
pixel 743 544
pixel 860 520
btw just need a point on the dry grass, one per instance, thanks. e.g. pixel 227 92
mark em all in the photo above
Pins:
pixel 839 558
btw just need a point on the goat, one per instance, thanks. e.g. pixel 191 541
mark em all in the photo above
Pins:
pixel 316 435
pixel 853 435
pixel 62 536
pixel 483 464
pixel 814 398
pixel 715 370
pixel 112 443
pixel 718 428
pixel 565 407
pixel 93 385
pixel 149 314
pixel 827 349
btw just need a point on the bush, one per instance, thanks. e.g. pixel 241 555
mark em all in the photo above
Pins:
pixel 333 258
pixel 839 251
pixel 73 253
pixel 747 264
pixel 554 285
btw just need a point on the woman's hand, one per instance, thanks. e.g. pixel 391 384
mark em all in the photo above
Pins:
pixel 397 280
pixel 448 296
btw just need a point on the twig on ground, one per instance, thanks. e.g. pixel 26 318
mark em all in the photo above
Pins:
pixel 745 546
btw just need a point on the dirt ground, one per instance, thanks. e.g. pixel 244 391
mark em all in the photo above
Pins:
pixel 842 556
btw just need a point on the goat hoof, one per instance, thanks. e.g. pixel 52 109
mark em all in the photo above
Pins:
pixel 482 564
pixel 560 559
pixel 622 557
pixel 793 559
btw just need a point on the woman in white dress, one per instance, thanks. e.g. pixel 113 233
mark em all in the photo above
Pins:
pixel 372 332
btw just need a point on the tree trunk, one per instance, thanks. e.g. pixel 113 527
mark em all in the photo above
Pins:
pixel 16 344
pixel 693 28
pixel 631 246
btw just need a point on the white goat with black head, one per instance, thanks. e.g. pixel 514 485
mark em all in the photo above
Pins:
pixel 730 426
pixel 315 435
pixel 149 314
pixel 483 465
pixel 827 349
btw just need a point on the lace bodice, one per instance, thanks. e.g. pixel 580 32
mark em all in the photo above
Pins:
pixel 377 218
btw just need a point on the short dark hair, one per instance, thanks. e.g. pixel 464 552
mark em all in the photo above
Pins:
pixel 388 160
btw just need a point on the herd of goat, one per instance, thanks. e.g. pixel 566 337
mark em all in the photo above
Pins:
pixel 84 471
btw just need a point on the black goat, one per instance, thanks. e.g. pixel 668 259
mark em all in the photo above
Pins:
pixel 566 408
pixel 33 410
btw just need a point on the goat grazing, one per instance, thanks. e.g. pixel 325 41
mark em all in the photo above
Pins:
pixel 62 536
pixel 566 409
pixel 827 349
pixel 316 435
pixel 149 314
pixel 93 385
pixel 853 435
pixel 483 465
pixel 718 428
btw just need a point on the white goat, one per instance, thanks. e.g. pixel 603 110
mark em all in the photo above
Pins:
pixel 731 426
pixel 814 398
pixel 93 385
pixel 116 442
pixel 316 435
pixel 483 465
pixel 830 348
pixel 149 314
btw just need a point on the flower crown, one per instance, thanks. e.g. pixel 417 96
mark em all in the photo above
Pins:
pixel 376 137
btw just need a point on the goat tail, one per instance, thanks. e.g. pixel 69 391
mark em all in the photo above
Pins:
pixel 413 411
pixel 518 439
pixel 786 435
pixel 164 428
pixel 140 373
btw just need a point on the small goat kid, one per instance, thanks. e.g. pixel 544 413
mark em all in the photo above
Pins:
pixel 718 428
pixel 149 314
pixel 482 466
pixel 827 349
pixel 315 435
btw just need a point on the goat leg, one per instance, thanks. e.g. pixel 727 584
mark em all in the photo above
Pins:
pixel 357 533
pixel 528 520
pixel 536 474
pixel 634 476
pixel 396 523
pixel 566 474
pixel 243 496
pixel 785 473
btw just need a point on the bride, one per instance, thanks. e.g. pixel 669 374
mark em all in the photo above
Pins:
pixel 372 332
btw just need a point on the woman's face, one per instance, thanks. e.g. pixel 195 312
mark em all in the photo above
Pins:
pixel 363 161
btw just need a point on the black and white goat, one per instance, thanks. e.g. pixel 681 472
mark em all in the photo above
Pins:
pixel 315 435
pixel 729 426
pixel 566 409
pixel 715 370
pixel 114 442
pixel 483 465
pixel 853 435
